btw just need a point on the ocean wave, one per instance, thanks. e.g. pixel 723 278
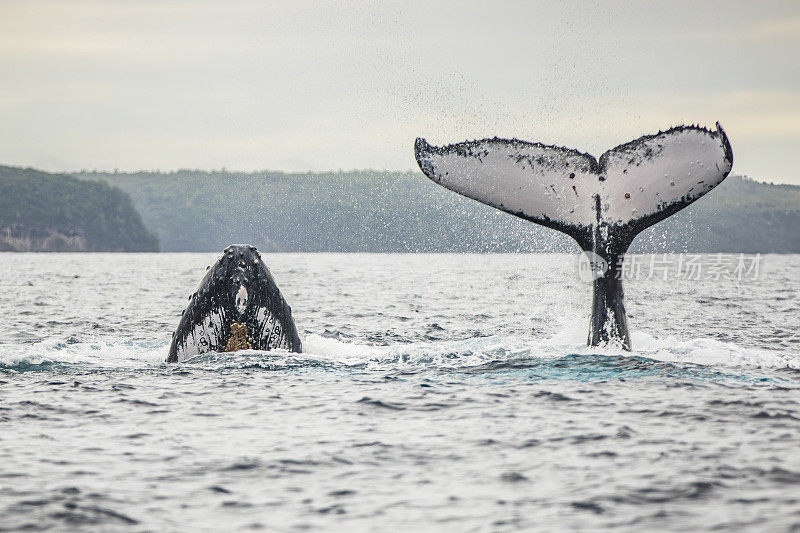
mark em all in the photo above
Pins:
pixel 492 352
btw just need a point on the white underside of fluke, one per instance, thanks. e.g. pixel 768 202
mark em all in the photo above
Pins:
pixel 633 181
pixel 601 203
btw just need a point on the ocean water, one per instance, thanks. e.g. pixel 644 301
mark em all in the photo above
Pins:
pixel 436 393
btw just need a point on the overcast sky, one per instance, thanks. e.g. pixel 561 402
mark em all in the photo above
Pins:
pixel 319 85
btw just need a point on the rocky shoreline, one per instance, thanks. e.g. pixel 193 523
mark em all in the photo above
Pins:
pixel 16 239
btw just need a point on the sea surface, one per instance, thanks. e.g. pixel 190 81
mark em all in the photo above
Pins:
pixel 436 393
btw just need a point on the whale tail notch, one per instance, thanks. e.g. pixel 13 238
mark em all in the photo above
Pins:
pixel 601 203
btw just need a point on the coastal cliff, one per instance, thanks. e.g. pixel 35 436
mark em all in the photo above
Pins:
pixel 42 212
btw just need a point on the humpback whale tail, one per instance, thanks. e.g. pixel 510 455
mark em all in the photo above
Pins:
pixel 603 204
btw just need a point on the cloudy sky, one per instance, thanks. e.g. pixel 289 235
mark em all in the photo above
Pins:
pixel 321 85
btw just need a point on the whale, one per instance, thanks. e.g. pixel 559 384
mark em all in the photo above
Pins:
pixel 601 203
pixel 237 306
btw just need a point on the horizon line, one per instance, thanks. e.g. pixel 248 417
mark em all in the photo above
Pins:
pixel 224 170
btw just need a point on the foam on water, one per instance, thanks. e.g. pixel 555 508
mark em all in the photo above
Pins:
pixel 712 352
pixel 320 351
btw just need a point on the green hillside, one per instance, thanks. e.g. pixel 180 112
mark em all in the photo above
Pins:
pixel 405 212
pixel 53 212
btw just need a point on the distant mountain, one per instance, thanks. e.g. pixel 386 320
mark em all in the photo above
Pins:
pixel 373 211
pixel 55 212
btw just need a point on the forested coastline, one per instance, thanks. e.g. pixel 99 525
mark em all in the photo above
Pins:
pixel 358 211
pixel 42 212
pixel 375 211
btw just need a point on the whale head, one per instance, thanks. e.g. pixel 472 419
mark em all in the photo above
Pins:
pixel 237 305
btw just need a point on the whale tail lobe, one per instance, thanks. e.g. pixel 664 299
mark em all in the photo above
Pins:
pixel 601 203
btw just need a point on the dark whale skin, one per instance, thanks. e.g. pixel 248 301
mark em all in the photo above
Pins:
pixel 237 289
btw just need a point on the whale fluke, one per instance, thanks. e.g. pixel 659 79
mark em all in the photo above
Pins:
pixel 603 204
